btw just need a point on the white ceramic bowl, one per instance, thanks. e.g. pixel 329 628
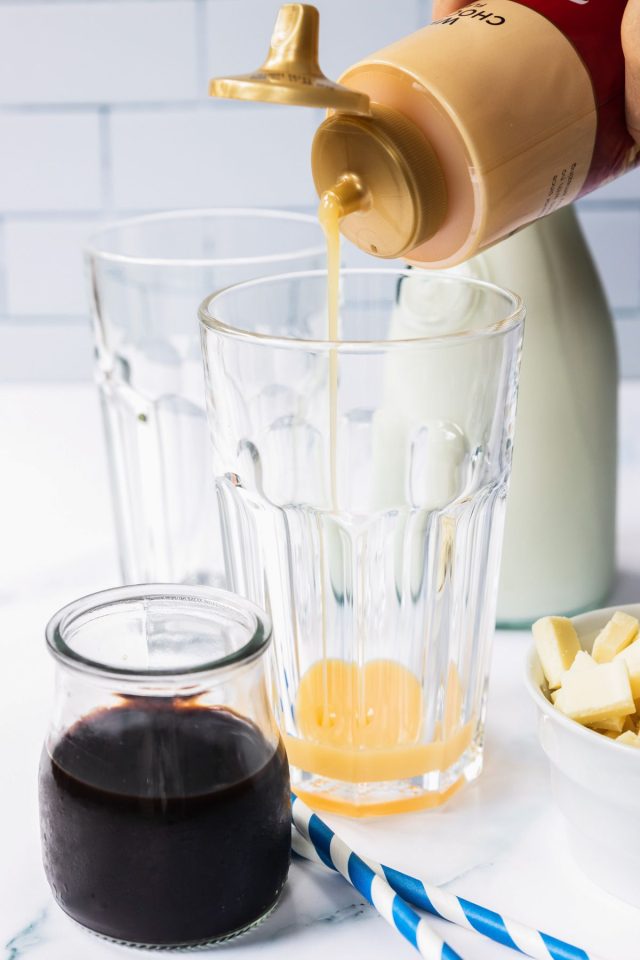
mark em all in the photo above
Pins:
pixel 596 781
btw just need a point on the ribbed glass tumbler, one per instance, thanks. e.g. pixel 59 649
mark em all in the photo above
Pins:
pixel 148 276
pixel 361 485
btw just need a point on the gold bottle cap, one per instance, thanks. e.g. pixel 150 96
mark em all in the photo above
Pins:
pixel 291 73
pixel 403 192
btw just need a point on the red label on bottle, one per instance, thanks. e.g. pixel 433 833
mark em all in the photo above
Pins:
pixel 593 27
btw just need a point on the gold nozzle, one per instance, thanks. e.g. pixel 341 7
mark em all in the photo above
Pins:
pixel 291 73
pixel 401 199
pixel 346 196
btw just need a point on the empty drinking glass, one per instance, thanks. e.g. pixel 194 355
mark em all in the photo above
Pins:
pixel 148 276
pixel 362 485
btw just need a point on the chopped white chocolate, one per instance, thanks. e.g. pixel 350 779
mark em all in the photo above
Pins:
pixel 631 656
pixel 600 690
pixel 582 661
pixel 631 739
pixel 589 696
pixel 557 645
pixel 615 724
pixel 619 632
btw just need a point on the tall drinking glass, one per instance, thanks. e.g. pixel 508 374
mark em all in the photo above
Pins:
pixel 362 485
pixel 148 276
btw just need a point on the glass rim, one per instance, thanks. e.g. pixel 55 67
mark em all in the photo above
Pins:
pixel 513 319
pixel 212 597
pixel 92 248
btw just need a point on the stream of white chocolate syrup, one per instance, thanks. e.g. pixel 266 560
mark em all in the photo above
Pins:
pixel 330 213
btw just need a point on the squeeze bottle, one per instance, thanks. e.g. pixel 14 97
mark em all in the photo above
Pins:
pixel 452 138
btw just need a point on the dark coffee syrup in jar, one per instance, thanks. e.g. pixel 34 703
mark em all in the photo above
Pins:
pixel 165 823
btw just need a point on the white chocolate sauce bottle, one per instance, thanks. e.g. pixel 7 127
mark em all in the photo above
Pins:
pixel 522 104
pixel 454 137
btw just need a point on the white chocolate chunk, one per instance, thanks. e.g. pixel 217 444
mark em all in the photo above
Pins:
pixel 582 661
pixel 619 632
pixel 611 724
pixel 557 645
pixel 631 656
pixel 631 739
pixel 589 696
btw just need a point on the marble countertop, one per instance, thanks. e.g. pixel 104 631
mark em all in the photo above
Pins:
pixel 500 842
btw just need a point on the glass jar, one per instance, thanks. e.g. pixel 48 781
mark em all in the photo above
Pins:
pixel 164 786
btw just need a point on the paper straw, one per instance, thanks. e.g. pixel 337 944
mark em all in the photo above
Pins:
pixel 335 853
pixel 315 841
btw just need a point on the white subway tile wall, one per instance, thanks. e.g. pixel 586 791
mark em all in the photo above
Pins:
pixel 44 274
pixel 211 154
pixel 104 114
pixel 614 237
pixel 49 161
pixel 98 52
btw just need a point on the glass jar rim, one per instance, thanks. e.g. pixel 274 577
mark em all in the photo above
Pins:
pixel 259 626
pixel 94 251
pixel 513 319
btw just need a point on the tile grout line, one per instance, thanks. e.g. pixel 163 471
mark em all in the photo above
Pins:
pixel 67 3
pixel 424 13
pixel 637 272
pixel 51 215
pixel 88 107
pixel 200 27
pixel 590 204
pixel 105 159
pixel 4 273
pixel 80 216
pixel 35 319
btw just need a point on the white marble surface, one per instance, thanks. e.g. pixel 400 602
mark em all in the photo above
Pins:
pixel 500 842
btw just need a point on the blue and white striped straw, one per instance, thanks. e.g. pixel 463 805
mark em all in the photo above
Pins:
pixel 335 853
pixel 316 841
